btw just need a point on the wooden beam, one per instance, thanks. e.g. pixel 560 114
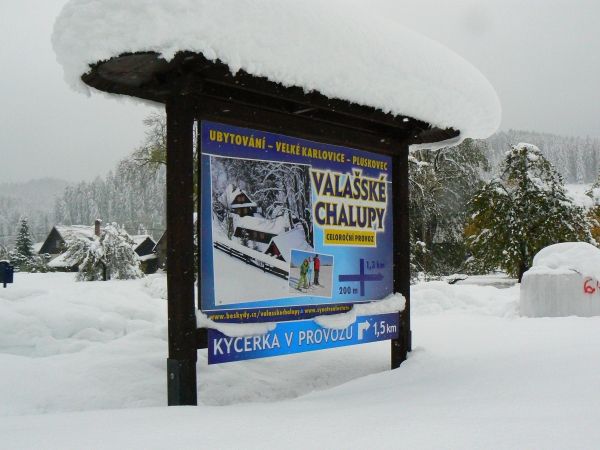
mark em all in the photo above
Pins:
pixel 181 365
pixel 148 76
pixel 214 109
pixel 400 204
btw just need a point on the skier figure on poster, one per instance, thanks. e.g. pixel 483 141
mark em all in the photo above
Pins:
pixel 303 272
pixel 317 267
pixel 311 270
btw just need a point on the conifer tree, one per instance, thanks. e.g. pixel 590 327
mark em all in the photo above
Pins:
pixel 594 210
pixel 22 255
pixel 522 211
pixel 23 244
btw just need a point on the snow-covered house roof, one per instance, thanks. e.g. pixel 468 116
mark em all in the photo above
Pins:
pixel 271 226
pixel 143 244
pixel 75 232
pixel 139 238
pixel 65 234
pixel 342 49
pixel 229 198
pixel 61 235
pixel 61 262
pixel 292 240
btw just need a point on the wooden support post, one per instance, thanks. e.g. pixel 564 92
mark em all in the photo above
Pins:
pixel 400 202
pixel 202 333
pixel 181 365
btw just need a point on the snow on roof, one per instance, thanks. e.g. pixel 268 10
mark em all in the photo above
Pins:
pixel 566 258
pixel 272 226
pixel 228 197
pixel 61 262
pixel 140 238
pixel 344 49
pixel 293 239
pixel 75 232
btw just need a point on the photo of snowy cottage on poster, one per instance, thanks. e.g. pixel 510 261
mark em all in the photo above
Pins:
pixel 243 221
pixel 261 211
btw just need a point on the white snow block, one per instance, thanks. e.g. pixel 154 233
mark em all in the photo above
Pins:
pixel 564 280
pixel 559 295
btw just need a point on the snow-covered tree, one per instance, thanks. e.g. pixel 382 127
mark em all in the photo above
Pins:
pixel 278 189
pixel 441 183
pixel 153 150
pixel 576 158
pixel 594 210
pixel 522 211
pixel 22 256
pixel 23 244
pixel 109 256
pixel 22 253
pixel 132 194
pixel 4 254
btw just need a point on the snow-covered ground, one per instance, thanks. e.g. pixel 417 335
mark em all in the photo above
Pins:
pixel 230 271
pixel 82 365
pixel 499 280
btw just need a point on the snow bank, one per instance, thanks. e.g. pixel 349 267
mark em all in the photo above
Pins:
pixel 394 303
pixel 344 49
pixel 438 297
pixel 67 345
pixel 473 381
pixel 234 329
pixel 563 281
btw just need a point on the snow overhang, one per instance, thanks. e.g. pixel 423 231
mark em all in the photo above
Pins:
pixel 336 61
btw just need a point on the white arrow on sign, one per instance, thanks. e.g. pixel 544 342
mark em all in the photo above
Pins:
pixel 362 327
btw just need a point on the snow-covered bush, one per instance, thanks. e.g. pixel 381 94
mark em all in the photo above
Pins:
pixel 522 211
pixel 109 256
pixel 35 263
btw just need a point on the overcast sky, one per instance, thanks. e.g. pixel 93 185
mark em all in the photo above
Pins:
pixel 543 58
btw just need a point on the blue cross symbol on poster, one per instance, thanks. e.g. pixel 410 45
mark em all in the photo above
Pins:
pixel 361 277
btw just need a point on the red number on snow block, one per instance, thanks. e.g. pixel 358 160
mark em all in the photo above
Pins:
pixel 587 289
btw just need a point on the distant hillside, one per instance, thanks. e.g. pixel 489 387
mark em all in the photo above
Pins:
pixel 576 158
pixel 34 199
pixel 133 195
pixel 37 194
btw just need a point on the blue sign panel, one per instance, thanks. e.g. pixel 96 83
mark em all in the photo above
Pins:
pixel 298 337
pixel 290 226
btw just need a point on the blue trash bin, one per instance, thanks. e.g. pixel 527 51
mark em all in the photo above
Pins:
pixel 6 273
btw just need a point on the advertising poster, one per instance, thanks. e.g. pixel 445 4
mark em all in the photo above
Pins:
pixel 291 228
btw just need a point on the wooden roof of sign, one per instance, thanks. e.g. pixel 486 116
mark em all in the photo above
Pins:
pixel 217 93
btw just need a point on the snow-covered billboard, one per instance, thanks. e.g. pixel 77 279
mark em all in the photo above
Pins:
pixel 291 228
